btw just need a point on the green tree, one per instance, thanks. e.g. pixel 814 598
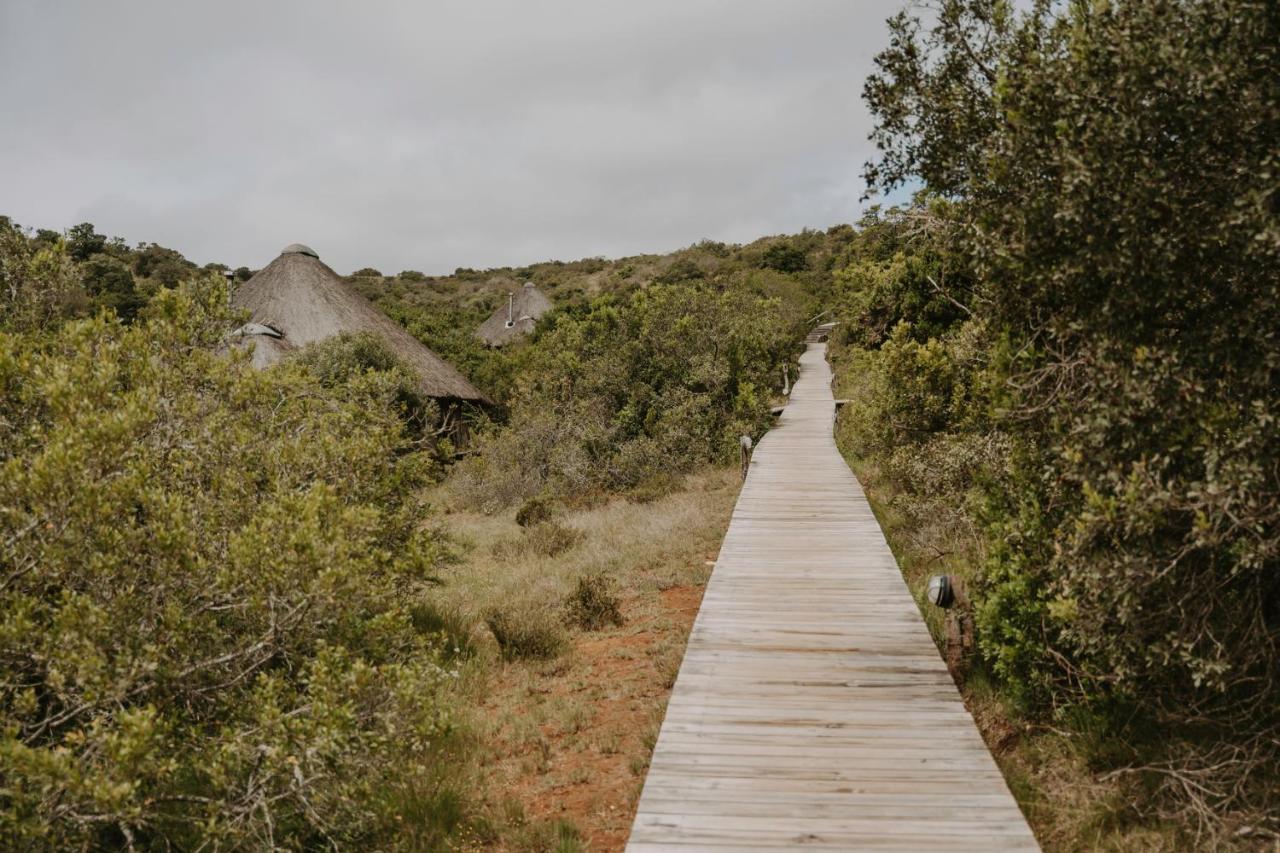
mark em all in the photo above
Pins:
pixel 110 284
pixel 785 257
pixel 39 284
pixel 83 241
pixel 1115 168
pixel 166 266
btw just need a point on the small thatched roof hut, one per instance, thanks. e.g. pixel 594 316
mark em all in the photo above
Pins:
pixel 296 300
pixel 515 319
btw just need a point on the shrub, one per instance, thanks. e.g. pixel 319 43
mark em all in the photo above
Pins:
pixel 346 357
pixel 210 574
pixel 548 539
pixel 533 511
pixel 683 269
pixel 593 604
pixel 654 487
pixel 1112 167
pixel 784 257
pixel 39 284
pixel 625 390
pixel 530 632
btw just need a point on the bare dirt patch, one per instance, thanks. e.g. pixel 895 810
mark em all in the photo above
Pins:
pixel 588 767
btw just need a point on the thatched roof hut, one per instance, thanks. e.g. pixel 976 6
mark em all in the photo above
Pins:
pixel 296 300
pixel 515 319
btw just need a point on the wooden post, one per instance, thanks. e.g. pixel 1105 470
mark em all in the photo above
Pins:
pixel 959 630
pixel 744 453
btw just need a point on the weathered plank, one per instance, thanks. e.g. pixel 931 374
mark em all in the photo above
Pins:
pixel 812 707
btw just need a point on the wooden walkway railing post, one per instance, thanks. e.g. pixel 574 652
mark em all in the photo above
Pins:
pixel 812 707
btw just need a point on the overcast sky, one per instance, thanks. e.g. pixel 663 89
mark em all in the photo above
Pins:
pixel 430 135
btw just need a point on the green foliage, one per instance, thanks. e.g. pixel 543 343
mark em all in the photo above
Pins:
pixel 1114 169
pixel 785 257
pixel 212 579
pixel 682 269
pixel 450 332
pixel 166 267
pixel 110 284
pixel 344 358
pixel 627 389
pixel 895 279
pixel 83 241
pixel 39 284
pixel 83 273
pixel 654 487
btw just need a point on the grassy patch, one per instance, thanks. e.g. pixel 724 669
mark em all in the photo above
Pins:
pixel 573 653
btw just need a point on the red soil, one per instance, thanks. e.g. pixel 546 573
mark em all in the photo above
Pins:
pixel 591 773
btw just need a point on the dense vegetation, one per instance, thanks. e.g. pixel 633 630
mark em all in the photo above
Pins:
pixel 211 583
pixel 221 619
pixel 1068 348
pixel 648 366
pixel 222 622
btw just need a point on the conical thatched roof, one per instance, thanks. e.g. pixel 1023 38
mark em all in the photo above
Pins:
pixel 516 317
pixel 296 300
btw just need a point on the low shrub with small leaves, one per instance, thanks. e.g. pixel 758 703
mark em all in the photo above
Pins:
pixel 629 389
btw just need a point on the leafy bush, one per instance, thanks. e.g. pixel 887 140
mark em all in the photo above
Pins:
pixel 110 283
pixel 630 389
pixel 347 357
pixel 210 576
pixel 593 604
pixel 1113 169
pixel 39 283
pixel 785 257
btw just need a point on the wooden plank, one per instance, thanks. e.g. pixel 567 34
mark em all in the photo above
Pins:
pixel 812 707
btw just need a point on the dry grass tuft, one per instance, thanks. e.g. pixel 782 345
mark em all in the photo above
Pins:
pixel 593 604
pixel 567 696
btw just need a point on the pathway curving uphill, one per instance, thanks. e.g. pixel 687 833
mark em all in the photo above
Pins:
pixel 812 707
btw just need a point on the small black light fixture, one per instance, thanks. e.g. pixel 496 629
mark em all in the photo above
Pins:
pixel 942 591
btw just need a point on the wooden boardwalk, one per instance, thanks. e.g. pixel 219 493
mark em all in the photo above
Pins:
pixel 812 708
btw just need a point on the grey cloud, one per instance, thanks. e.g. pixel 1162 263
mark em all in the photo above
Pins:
pixel 435 135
